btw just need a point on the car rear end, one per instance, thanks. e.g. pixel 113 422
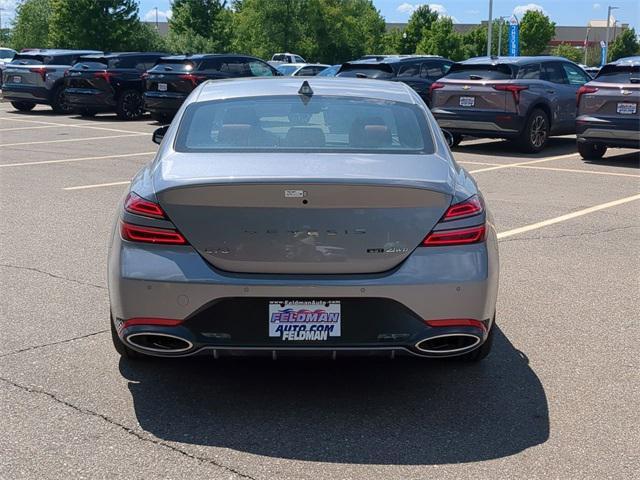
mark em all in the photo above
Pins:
pixel 169 83
pixel 609 107
pixel 28 78
pixel 297 240
pixel 480 99
pixel 369 68
pixel 89 84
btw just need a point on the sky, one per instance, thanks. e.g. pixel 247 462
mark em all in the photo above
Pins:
pixel 563 12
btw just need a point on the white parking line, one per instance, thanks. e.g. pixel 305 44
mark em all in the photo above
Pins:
pixel 476 163
pixel 98 185
pixel 81 159
pixel 72 125
pixel 511 165
pixel 26 128
pixel 71 140
pixel 575 170
pixel 568 216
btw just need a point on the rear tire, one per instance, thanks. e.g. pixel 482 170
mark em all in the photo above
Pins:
pixel 482 351
pixel 130 105
pixel 121 348
pixel 535 134
pixel 457 138
pixel 162 118
pixel 591 151
pixel 58 101
pixel 23 106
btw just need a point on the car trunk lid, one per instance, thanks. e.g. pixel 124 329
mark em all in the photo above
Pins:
pixel 173 76
pixel 298 218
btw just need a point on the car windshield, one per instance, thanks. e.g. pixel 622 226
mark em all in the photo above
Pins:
pixel 619 74
pixel 309 124
pixel 6 54
pixel 461 71
pixel 380 71
pixel 329 71
pixel 286 69
pixel 174 66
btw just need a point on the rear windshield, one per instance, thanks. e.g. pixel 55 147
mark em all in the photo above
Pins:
pixel 376 70
pixel 31 59
pixel 461 71
pixel 318 124
pixel 286 69
pixel 93 64
pixel 6 54
pixel 174 66
pixel 619 74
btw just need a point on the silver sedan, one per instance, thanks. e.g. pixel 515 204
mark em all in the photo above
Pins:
pixel 286 217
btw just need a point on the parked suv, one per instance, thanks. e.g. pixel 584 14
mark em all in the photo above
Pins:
pixel 524 99
pixel 609 109
pixel 109 83
pixel 417 71
pixel 173 78
pixel 36 77
pixel 6 55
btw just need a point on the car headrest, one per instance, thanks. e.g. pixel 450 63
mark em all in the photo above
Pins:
pixel 369 132
pixel 305 137
pixel 235 134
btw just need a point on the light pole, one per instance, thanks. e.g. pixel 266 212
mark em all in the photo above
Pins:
pixel 156 18
pixel 489 28
pixel 606 41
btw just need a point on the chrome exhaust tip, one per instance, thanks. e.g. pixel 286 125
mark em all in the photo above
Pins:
pixel 449 344
pixel 159 342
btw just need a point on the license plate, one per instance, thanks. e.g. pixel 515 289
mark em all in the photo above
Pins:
pixel 162 87
pixel 314 320
pixel 467 101
pixel 626 108
pixel 17 79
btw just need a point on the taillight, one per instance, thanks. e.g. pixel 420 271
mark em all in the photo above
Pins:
pixel 470 206
pixel 138 233
pixel 510 87
pixel 463 236
pixel 435 86
pixel 144 76
pixel 42 71
pixel 582 90
pixel 106 76
pixel 139 206
pixel 194 79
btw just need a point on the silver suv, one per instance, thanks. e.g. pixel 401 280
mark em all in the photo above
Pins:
pixel 608 109
pixel 524 99
pixel 36 77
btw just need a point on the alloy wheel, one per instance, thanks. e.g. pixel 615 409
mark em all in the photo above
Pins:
pixel 538 131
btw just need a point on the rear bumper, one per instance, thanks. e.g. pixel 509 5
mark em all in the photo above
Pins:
pixel 90 98
pixel 480 124
pixel 228 313
pixel 612 132
pixel 163 102
pixel 25 93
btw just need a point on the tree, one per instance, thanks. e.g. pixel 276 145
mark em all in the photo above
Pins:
pixel 568 51
pixel 536 31
pixel 440 39
pixel 625 45
pixel 200 25
pixel 420 20
pixel 109 25
pixel 31 25
pixel 392 41
pixel 475 40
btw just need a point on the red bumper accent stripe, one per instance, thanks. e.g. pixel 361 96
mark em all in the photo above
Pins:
pixel 456 322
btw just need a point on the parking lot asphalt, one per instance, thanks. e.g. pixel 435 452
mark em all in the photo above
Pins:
pixel 557 398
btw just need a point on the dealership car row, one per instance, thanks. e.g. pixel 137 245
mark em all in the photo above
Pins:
pixel 521 99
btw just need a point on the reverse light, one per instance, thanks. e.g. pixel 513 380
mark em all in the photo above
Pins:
pixel 582 90
pixel 513 88
pixel 456 322
pixel 463 236
pixel 139 206
pixel 42 71
pixel 194 79
pixel 470 206
pixel 138 233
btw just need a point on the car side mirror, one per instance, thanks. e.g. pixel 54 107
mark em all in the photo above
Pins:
pixel 448 136
pixel 159 133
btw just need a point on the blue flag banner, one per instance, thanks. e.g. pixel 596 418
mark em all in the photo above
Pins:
pixel 514 37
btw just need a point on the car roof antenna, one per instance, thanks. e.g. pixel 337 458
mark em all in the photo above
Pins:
pixel 305 92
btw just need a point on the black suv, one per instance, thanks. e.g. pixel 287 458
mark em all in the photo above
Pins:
pixel 417 71
pixel 108 83
pixel 173 78
pixel 37 77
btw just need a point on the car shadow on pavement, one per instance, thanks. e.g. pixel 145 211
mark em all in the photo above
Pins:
pixel 616 159
pixel 503 148
pixel 405 411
